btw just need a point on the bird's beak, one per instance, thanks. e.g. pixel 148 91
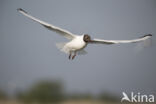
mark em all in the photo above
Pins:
pixel 90 41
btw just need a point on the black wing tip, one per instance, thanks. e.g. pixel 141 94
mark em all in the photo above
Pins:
pixel 20 9
pixel 146 35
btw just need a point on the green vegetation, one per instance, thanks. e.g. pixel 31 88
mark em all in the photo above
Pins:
pixel 43 92
pixel 80 96
pixel 3 95
pixel 107 97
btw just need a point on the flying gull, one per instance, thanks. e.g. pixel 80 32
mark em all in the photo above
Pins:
pixel 77 43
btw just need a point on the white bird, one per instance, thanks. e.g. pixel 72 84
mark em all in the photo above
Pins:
pixel 77 43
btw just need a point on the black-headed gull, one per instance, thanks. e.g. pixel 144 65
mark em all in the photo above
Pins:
pixel 78 42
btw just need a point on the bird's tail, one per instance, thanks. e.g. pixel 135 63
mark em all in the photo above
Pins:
pixel 61 47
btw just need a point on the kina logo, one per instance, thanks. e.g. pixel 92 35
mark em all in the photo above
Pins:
pixel 137 97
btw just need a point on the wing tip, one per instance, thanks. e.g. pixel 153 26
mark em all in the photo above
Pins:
pixel 146 35
pixel 20 9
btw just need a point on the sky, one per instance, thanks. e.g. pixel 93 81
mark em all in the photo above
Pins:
pixel 28 52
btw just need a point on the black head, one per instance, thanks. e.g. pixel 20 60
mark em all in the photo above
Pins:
pixel 86 38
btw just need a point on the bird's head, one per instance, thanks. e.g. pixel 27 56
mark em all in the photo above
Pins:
pixel 86 38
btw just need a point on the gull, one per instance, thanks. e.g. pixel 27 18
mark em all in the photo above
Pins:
pixel 77 43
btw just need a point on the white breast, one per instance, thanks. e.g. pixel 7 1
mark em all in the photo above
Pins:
pixel 76 44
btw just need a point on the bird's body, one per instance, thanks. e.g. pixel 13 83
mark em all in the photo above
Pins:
pixel 77 43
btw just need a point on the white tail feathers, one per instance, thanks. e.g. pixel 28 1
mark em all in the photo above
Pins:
pixel 62 47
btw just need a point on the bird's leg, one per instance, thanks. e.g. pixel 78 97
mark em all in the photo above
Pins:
pixel 74 55
pixel 70 55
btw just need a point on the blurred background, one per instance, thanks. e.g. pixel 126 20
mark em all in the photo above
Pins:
pixel 32 69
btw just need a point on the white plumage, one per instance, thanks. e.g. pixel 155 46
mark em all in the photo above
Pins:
pixel 78 42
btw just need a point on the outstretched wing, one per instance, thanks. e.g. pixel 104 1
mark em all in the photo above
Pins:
pixel 62 32
pixel 101 41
